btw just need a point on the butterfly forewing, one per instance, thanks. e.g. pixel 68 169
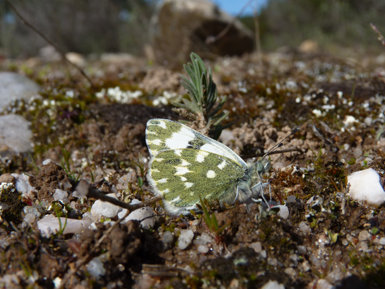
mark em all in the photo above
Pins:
pixel 164 134
pixel 184 176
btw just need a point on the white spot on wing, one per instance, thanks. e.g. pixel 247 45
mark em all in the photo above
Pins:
pixel 165 191
pixel 162 181
pixel 180 171
pixel 155 142
pixel 222 165
pixel 180 138
pixel 211 174
pixel 201 155
pixel 188 185
pixel 185 163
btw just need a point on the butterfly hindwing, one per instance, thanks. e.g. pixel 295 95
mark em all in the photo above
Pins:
pixel 183 176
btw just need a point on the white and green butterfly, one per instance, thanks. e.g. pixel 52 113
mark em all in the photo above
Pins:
pixel 187 166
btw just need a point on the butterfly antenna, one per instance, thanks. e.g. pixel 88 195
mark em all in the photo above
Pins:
pixel 280 143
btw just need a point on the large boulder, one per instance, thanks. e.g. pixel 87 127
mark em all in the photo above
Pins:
pixel 183 26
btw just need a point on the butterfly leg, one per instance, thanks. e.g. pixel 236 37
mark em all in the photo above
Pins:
pixel 259 188
pixel 236 195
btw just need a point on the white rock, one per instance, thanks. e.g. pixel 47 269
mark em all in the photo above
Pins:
pixel 364 235
pixel 167 239
pixel 323 284
pixel 104 209
pixel 60 195
pixel 95 268
pixel 382 241
pixel 46 162
pixel 49 225
pixel 256 246
pixel 204 239
pixel 23 186
pixel 31 214
pixel 365 186
pixel 146 216
pixel 273 285
pixel 185 239
pixel 283 211
pixel 203 249
pixel 304 228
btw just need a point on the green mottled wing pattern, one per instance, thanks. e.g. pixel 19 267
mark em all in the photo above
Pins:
pixel 182 181
pixel 186 166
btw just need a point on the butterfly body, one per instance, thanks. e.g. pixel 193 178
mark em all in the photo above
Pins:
pixel 186 166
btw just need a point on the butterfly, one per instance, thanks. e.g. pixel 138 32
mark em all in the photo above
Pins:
pixel 186 166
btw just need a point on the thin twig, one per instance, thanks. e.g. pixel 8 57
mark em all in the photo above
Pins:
pixel 213 39
pixel 289 150
pixel 61 52
pixel 97 194
pixel 380 37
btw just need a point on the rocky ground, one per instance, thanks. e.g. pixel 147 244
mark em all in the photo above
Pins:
pixel 88 146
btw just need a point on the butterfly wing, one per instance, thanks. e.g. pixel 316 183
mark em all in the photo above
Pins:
pixel 183 176
pixel 164 134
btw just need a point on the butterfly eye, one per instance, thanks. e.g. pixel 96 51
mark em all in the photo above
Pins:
pixel 263 166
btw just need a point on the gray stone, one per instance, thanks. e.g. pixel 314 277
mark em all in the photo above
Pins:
pixel 167 240
pixel 146 216
pixel 185 239
pixel 364 235
pixel 15 86
pixel 180 27
pixel 15 135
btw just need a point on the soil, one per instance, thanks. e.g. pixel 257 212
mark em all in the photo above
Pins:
pixel 328 239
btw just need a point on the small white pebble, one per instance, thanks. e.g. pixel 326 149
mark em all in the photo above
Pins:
pixel 104 209
pixel 167 239
pixel 256 246
pixel 273 285
pixel 96 268
pixel 146 216
pixel 46 162
pixel 364 235
pixel 382 241
pixel 185 239
pixel 60 195
pixel 49 225
pixel 365 186
pixel 283 211
pixel 317 112
pixel 349 120
pixel 324 284
pixel 203 249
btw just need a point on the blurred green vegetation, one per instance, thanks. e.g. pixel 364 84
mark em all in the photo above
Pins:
pixel 125 25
